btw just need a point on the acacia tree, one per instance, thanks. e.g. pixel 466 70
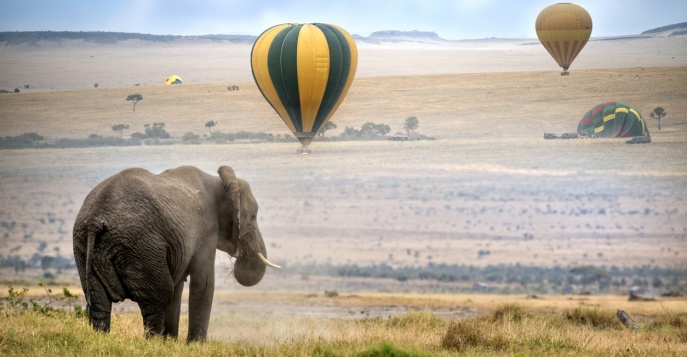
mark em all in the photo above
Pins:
pixel 373 129
pixel 156 131
pixel 411 124
pixel 134 98
pixel 657 114
pixel 209 125
pixel 324 128
pixel 120 128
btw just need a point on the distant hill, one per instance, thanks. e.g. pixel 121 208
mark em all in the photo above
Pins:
pixel 670 30
pixel 401 36
pixel 33 37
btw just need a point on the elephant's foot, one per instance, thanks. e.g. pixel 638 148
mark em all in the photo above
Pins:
pixel 170 334
pixel 100 320
pixel 196 337
pixel 153 320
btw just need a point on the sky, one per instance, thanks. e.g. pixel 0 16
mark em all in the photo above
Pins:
pixel 450 19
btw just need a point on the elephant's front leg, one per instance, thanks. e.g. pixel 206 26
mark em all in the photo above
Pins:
pixel 202 289
pixel 173 312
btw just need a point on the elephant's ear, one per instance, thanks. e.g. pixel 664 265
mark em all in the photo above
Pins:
pixel 231 186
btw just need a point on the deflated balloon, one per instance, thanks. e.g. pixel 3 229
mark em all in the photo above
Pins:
pixel 612 120
pixel 564 29
pixel 174 79
pixel 304 71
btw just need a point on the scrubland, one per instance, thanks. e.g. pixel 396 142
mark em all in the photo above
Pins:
pixel 488 190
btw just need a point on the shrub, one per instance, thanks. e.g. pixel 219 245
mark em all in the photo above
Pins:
pixel 473 333
pixel 15 302
pixel 190 138
pixel 25 140
pixel 593 318
pixel 507 313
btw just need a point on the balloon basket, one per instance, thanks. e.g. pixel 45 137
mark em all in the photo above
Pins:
pixel 303 150
pixel 565 73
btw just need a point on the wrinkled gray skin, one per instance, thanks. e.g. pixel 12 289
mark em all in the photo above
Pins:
pixel 139 236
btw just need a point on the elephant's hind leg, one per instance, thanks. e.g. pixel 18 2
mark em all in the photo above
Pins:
pixel 150 285
pixel 153 318
pixel 173 311
pixel 100 307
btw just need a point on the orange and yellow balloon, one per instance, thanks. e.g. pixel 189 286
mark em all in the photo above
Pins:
pixel 564 29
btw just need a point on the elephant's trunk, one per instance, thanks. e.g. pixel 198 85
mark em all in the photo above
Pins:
pixel 249 268
pixel 251 263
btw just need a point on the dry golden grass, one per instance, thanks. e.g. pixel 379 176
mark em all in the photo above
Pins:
pixel 452 106
pixel 502 330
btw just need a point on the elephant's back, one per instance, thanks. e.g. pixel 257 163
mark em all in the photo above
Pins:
pixel 135 201
pixel 115 192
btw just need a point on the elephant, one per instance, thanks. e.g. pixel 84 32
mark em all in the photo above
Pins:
pixel 139 236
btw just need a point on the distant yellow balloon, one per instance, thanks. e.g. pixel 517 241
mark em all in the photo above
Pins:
pixel 564 29
pixel 174 79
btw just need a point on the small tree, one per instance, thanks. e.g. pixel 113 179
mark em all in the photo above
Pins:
pixel 411 124
pixel 209 125
pixel 134 98
pixel 326 127
pixel 657 114
pixel 155 131
pixel 351 132
pixel 120 128
pixel 373 129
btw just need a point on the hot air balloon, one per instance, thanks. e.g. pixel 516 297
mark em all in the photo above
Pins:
pixel 564 29
pixel 304 71
pixel 174 79
pixel 612 120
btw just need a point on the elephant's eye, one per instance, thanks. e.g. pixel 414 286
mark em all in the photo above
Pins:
pixel 253 217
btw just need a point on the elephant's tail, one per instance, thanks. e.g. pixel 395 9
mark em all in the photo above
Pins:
pixel 90 243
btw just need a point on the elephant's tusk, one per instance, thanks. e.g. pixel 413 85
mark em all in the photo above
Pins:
pixel 267 262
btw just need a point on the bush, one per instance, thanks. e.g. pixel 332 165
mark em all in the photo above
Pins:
pixel 15 303
pixel 508 313
pixel 473 333
pixel 25 140
pixel 593 318
pixel 190 138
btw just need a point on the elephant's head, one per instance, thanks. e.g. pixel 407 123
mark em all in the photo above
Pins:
pixel 246 241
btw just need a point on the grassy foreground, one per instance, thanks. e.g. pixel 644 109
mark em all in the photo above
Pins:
pixel 509 329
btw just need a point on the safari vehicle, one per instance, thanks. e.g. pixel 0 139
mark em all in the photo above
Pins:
pixel 402 138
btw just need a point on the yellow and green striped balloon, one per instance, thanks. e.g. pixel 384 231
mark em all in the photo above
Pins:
pixel 564 29
pixel 304 71
pixel 613 120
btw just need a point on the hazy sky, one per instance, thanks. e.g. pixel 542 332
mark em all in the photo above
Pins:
pixel 451 19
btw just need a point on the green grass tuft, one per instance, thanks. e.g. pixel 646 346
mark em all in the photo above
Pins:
pixel 389 350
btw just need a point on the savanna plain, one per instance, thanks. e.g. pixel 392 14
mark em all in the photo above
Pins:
pixel 483 189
